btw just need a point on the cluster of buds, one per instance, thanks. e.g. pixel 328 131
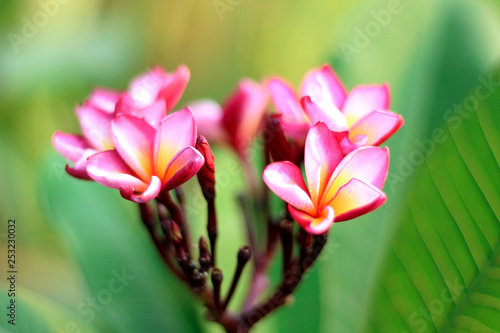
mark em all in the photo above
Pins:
pixel 132 141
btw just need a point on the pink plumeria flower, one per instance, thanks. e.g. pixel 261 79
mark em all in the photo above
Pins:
pixel 95 117
pixel 322 97
pixel 153 86
pixel 104 99
pixel 146 160
pixel 338 188
pixel 238 120
pixel 95 121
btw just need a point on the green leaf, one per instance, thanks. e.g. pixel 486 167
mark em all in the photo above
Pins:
pixel 441 271
pixel 430 66
pixel 36 313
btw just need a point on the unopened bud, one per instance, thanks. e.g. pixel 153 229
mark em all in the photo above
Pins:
pixel 205 258
pixel 191 266
pixel 216 276
pixel 278 144
pixel 175 232
pixel 244 254
pixel 203 244
pixel 206 175
pixel 216 281
pixel 198 278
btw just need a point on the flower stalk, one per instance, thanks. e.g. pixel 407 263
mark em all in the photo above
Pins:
pixel 181 229
pixel 244 255
pixel 205 257
pixel 216 282
pixel 286 232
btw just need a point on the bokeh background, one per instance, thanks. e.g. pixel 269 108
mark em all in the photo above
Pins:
pixel 427 261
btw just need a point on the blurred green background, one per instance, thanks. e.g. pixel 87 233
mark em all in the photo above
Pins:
pixel 427 261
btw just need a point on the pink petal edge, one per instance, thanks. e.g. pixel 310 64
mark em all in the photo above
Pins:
pixel 183 167
pixel 315 225
pixel 108 169
pixel 285 100
pixel 378 126
pixel 285 180
pixel 327 113
pixel 354 165
pixel 149 194
pixel 79 170
pixel 362 198
pixel 70 146
pixel 176 132
pixel 322 85
pixel 364 99
pixel 208 115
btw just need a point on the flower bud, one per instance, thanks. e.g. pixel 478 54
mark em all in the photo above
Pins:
pixel 244 255
pixel 216 281
pixel 278 145
pixel 205 258
pixel 175 233
pixel 206 175
pixel 217 276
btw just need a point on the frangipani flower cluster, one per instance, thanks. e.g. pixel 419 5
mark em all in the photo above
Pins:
pixel 148 97
pixel 129 143
pixel 132 141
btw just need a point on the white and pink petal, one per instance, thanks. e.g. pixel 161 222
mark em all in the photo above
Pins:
pixel 346 143
pixel 96 126
pixel 323 86
pixel 244 112
pixel 285 100
pixel 314 224
pixel 79 169
pixel 144 89
pixel 174 86
pixel 108 169
pixel 134 141
pixel 356 198
pixel 367 164
pixel 149 194
pixel 322 155
pixel 285 180
pixel 153 113
pixel 326 113
pixel 296 131
pixel 175 133
pixel 208 115
pixel 378 126
pixel 183 167
pixel 104 99
pixel 364 99
pixel 70 146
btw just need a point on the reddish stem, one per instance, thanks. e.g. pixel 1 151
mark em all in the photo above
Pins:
pixel 177 216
